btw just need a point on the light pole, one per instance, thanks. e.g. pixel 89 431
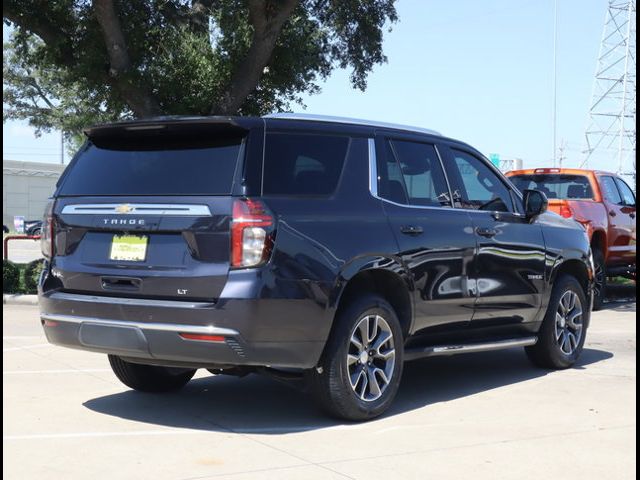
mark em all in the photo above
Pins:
pixel 555 81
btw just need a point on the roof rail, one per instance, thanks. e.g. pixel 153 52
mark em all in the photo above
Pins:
pixel 351 121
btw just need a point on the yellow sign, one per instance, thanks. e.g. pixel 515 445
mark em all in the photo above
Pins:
pixel 129 248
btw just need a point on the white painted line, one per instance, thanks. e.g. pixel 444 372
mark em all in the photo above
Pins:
pixel 21 337
pixel 71 370
pixel 26 347
pixel 297 429
pixel 139 433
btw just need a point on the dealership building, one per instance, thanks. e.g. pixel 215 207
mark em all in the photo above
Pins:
pixel 26 187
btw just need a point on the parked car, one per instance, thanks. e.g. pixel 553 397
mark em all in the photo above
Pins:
pixel 603 203
pixel 33 227
pixel 310 248
pixel 5 229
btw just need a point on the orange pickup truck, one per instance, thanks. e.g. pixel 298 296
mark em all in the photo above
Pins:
pixel 603 203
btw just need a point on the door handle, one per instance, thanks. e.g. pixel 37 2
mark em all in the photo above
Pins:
pixel 121 283
pixel 411 230
pixel 612 213
pixel 486 232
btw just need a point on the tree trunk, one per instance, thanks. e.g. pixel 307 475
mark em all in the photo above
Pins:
pixel 141 101
pixel 267 18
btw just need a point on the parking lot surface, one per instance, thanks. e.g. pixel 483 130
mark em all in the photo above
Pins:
pixel 491 415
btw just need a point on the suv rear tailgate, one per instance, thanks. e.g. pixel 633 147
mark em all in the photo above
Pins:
pixel 186 254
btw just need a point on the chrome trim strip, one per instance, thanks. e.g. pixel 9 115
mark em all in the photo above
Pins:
pixel 138 209
pixel 373 168
pixel 134 302
pixel 350 121
pixel 162 327
pixel 474 347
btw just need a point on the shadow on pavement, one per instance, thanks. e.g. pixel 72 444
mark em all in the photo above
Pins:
pixel 256 404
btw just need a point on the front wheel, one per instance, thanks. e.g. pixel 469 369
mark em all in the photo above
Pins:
pixel 564 328
pixel 149 378
pixel 359 373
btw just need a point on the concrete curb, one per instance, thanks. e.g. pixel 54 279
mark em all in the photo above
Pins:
pixel 17 299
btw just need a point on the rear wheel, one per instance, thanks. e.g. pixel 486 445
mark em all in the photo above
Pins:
pixel 360 369
pixel 562 335
pixel 600 280
pixel 149 378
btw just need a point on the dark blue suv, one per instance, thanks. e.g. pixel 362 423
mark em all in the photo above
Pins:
pixel 316 248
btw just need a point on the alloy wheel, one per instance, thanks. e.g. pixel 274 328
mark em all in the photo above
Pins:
pixel 569 326
pixel 371 357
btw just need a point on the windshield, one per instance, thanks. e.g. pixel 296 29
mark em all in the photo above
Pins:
pixel 163 168
pixel 566 187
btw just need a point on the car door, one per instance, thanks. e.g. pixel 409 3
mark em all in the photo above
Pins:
pixel 435 242
pixel 628 212
pixel 618 234
pixel 509 265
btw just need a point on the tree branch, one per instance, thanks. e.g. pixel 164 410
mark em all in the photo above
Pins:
pixel 142 102
pixel 267 18
pixel 56 38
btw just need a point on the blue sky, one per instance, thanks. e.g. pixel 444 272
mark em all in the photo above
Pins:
pixel 479 71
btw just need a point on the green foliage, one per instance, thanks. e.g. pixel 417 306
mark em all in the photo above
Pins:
pixel 57 72
pixel 10 277
pixel 32 275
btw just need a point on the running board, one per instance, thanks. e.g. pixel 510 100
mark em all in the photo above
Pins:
pixel 421 352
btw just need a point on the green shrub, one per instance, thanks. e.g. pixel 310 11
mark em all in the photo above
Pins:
pixel 10 277
pixel 32 274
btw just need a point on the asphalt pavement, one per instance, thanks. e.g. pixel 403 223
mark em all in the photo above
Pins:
pixel 480 416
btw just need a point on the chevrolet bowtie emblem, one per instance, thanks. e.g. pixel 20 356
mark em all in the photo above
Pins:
pixel 124 208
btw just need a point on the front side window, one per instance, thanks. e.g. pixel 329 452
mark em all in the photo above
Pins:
pixel 475 186
pixel 610 191
pixel 627 194
pixel 412 173
pixel 303 164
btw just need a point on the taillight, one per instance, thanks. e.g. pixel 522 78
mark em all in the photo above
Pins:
pixel 47 236
pixel 251 229
pixel 565 211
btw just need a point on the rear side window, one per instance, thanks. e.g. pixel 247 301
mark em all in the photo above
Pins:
pixel 610 191
pixel 566 187
pixel 179 167
pixel 412 173
pixel 301 164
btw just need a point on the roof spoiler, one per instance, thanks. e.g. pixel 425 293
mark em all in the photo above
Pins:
pixel 173 125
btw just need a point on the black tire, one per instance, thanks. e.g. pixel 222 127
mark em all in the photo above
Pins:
pixel 330 381
pixel 547 352
pixel 600 280
pixel 149 378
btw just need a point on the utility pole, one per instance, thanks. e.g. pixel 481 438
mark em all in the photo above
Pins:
pixel 611 132
pixel 555 80
pixel 561 156
pixel 61 147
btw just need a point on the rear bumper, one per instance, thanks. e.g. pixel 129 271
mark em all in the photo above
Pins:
pixel 256 332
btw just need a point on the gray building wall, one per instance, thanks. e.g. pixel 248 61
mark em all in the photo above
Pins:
pixel 26 186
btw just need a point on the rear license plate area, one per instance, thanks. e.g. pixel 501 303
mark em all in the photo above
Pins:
pixel 129 248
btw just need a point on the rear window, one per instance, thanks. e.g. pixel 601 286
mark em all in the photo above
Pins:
pixel 565 187
pixel 176 167
pixel 301 164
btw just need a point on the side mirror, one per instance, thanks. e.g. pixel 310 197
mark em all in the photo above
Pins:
pixel 535 203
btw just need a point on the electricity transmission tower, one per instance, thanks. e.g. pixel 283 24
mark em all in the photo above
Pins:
pixel 611 130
